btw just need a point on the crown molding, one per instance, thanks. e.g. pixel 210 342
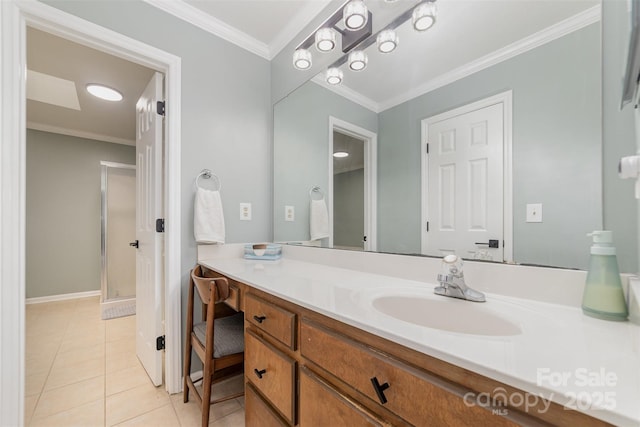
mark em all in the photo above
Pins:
pixel 348 93
pixel 296 25
pixel 79 134
pixel 200 19
pixel 562 28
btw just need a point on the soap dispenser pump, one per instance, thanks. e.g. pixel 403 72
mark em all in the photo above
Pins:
pixel 603 297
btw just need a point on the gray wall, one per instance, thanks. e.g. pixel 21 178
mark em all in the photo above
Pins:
pixel 301 156
pixel 556 150
pixel 620 207
pixel 348 208
pixel 63 211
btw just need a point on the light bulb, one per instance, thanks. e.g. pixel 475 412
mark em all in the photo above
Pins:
pixel 334 76
pixel 358 60
pixel 302 59
pixel 325 39
pixel 424 16
pixel 387 41
pixel 355 15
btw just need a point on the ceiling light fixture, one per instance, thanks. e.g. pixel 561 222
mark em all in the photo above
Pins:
pixel 104 92
pixel 340 154
pixel 355 15
pixel 387 41
pixel 325 39
pixel 424 16
pixel 302 59
pixel 334 76
pixel 358 60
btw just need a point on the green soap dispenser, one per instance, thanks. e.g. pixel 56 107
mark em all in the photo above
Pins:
pixel 603 296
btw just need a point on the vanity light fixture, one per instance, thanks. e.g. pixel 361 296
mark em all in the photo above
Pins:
pixel 340 154
pixel 387 41
pixel 334 76
pixel 424 16
pixel 104 92
pixel 355 15
pixel 358 60
pixel 302 59
pixel 325 39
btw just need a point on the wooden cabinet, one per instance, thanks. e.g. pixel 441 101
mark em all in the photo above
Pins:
pixel 303 368
pixel 321 405
pixel 274 320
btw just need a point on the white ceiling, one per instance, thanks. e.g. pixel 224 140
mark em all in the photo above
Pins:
pixel 465 31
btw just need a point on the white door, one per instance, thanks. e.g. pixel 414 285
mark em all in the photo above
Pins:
pixel 149 279
pixel 463 188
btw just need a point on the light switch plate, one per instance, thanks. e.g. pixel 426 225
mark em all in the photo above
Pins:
pixel 245 211
pixel 289 213
pixel 534 212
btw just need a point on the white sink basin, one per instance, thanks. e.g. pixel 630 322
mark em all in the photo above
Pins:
pixel 448 314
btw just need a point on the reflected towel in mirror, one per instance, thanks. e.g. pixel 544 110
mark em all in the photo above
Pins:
pixel 208 219
pixel 319 220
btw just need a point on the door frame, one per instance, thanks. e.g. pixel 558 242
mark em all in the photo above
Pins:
pixel 370 178
pixel 505 98
pixel 15 15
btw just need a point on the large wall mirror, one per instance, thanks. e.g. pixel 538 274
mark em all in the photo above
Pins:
pixel 533 83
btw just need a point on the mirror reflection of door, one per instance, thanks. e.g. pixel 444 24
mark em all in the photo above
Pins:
pixel 348 192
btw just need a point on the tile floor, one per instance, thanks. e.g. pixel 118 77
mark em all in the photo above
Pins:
pixel 83 371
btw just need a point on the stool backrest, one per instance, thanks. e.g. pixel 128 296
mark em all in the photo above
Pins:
pixel 208 286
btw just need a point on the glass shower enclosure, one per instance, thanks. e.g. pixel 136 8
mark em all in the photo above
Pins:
pixel 118 231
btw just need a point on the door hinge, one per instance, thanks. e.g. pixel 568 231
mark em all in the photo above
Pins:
pixel 427 226
pixel 427 148
pixel 160 107
pixel 160 225
pixel 160 343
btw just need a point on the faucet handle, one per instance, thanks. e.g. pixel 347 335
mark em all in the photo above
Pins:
pixel 445 278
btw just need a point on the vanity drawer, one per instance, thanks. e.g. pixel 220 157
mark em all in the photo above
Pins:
pixel 272 373
pixel 274 320
pixel 258 413
pixel 322 405
pixel 410 393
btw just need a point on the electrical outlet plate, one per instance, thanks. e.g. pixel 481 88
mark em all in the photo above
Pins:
pixel 245 211
pixel 534 212
pixel 289 213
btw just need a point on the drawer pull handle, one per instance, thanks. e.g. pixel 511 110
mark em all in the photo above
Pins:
pixel 260 373
pixel 259 319
pixel 380 388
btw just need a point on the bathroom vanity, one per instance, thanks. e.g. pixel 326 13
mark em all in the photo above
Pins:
pixel 337 346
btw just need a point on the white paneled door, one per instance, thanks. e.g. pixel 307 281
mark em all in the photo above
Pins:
pixel 149 289
pixel 463 183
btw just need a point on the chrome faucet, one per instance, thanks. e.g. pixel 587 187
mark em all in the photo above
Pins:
pixel 452 281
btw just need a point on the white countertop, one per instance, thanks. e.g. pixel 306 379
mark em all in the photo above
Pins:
pixel 590 365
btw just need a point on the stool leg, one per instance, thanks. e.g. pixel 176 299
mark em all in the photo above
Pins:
pixel 206 393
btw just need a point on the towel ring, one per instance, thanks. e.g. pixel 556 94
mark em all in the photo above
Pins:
pixel 207 174
pixel 318 190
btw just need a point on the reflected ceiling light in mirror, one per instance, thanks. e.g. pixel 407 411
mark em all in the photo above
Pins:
pixel 387 41
pixel 424 16
pixel 334 76
pixel 302 59
pixel 325 39
pixel 104 92
pixel 355 15
pixel 340 154
pixel 358 60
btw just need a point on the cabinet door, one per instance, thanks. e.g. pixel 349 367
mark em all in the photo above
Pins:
pixel 272 373
pixel 258 413
pixel 321 405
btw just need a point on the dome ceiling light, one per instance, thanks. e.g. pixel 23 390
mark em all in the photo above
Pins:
pixel 104 92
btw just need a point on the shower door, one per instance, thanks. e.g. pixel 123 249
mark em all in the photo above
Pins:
pixel 118 231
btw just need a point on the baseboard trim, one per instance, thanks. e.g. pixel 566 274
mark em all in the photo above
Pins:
pixel 62 297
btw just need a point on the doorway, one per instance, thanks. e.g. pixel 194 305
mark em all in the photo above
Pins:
pixel 15 18
pixel 352 186
pixel 466 181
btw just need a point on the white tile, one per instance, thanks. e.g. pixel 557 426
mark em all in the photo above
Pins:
pixel 86 415
pixel 164 416
pixel 136 401
pixel 70 396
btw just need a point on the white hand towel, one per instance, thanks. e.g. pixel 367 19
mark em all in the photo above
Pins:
pixel 319 220
pixel 208 219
